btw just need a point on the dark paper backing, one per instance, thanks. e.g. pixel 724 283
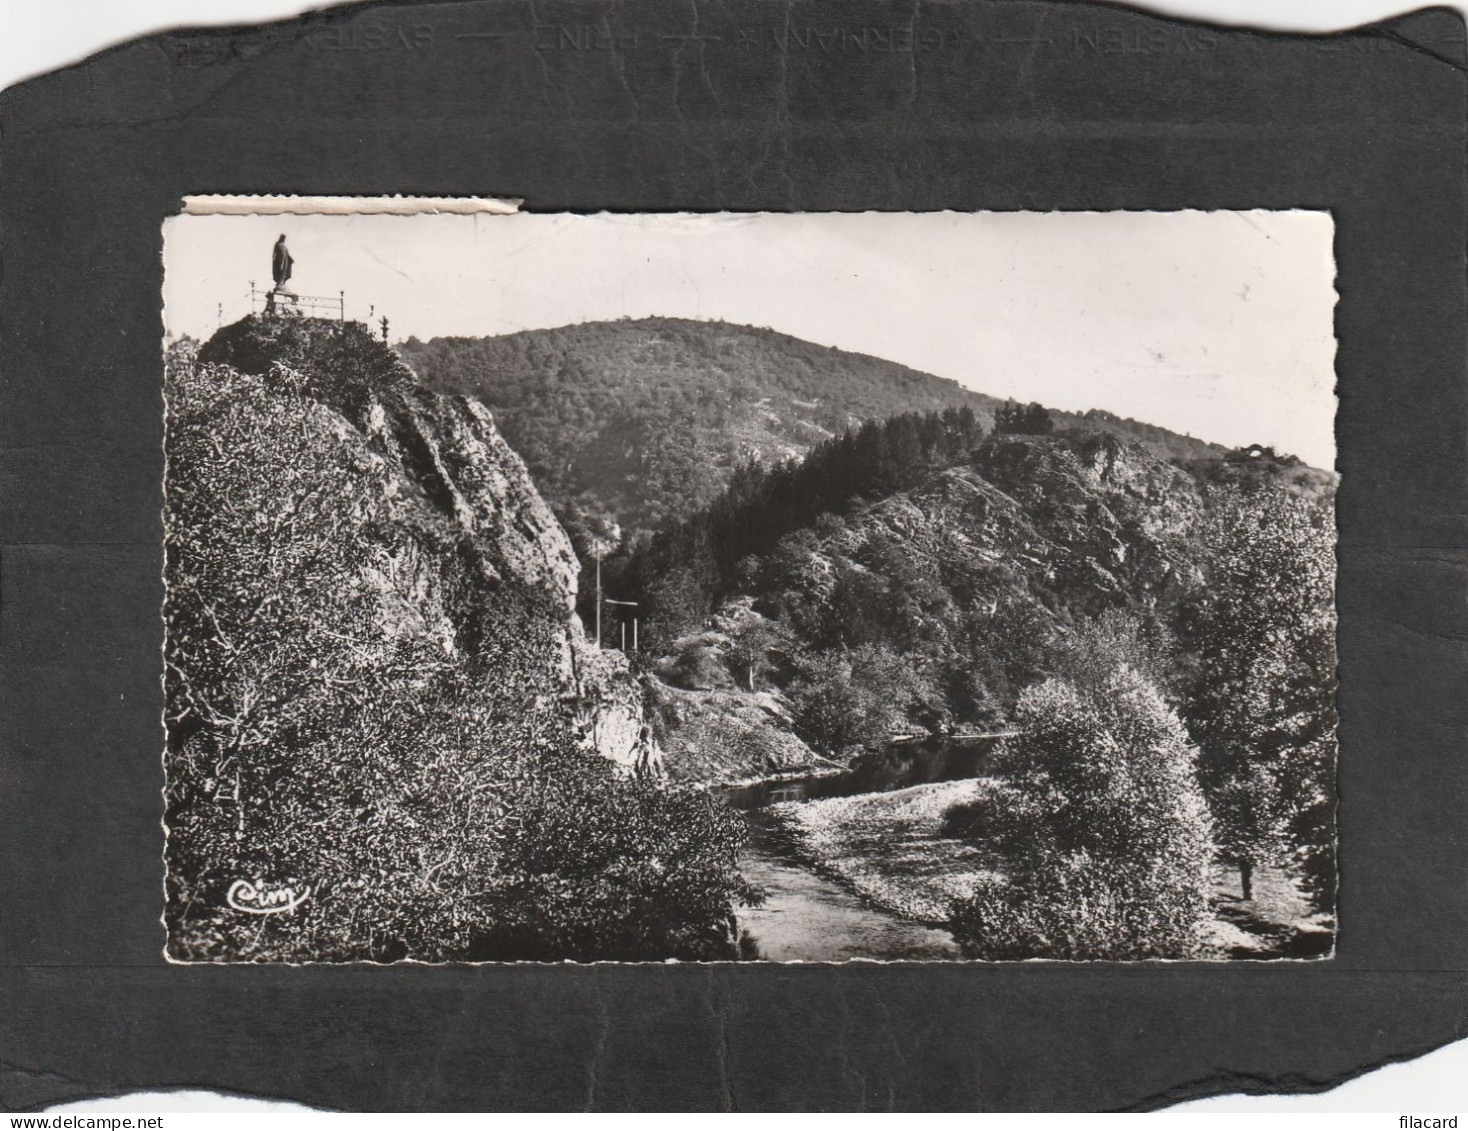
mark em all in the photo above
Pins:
pixel 693 105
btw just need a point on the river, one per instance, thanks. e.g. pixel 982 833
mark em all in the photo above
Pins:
pixel 809 918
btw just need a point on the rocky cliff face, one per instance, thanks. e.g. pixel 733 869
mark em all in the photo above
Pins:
pixel 442 519
pixel 1068 526
pixel 1093 520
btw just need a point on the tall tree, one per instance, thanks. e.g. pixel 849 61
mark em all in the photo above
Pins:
pixel 1263 707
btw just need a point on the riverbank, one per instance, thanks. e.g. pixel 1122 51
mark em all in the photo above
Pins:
pixel 833 769
pixel 887 848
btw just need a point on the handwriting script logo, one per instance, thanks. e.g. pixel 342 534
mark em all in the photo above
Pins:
pixel 258 899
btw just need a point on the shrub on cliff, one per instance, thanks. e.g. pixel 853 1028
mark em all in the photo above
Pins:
pixel 337 363
pixel 1102 830
pixel 359 716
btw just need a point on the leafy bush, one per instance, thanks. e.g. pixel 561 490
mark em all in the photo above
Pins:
pixel 1102 830
pixel 975 820
pixel 598 866
pixel 698 667
pixel 1093 650
pixel 857 697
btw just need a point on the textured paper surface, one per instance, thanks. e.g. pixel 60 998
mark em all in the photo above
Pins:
pixel 1014 107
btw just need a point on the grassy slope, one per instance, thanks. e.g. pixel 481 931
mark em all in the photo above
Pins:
pixel 886 847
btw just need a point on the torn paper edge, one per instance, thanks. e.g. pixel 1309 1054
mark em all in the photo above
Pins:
pixel 228 204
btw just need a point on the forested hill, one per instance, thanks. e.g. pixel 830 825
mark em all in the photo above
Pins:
pixel 914 576
pixel 646 420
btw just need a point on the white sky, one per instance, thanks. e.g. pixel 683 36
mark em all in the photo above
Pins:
pixel 1215 324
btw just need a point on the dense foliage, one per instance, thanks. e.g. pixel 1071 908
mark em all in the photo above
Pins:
pixel 856 697
pixel 958 562
pixel 353 710
pixel 1101 827
pixel 685 571
pixel 1262 706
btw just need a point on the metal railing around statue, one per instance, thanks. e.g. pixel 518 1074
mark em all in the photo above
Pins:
pixel 289 305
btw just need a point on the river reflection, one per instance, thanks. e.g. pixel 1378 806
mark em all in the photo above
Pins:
pixel 897 767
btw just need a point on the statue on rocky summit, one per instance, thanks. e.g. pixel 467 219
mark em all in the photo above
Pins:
pixel 280 271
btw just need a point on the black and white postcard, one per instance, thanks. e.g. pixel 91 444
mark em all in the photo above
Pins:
pixel 737 587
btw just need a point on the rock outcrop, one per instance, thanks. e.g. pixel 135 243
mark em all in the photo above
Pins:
pixel 444 511
pixel 1064 526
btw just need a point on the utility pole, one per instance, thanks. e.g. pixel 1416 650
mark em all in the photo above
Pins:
pixel 384 327
pixel 625 605
pixel 601 539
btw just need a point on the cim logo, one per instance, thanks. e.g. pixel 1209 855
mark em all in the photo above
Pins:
pixel 258 898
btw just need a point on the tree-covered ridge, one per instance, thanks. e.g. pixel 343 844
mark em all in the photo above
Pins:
pixel 647 420
pixel 1066 522
pixel 684 571
pixel 959 557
